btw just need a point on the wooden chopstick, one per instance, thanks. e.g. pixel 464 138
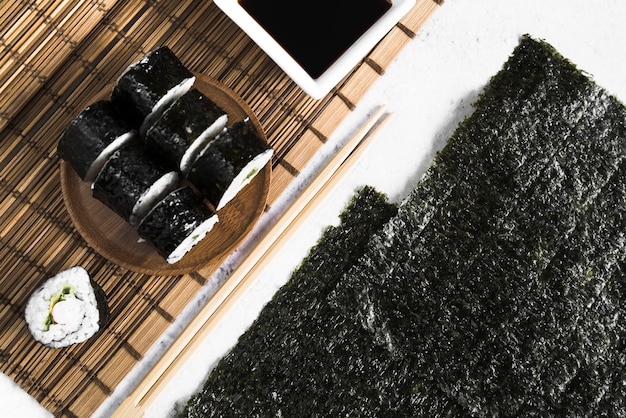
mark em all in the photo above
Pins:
pixel 242 277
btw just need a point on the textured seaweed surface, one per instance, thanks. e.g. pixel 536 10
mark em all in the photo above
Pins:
pixel 496 290
pixel 88 135
pixel 137 90
pixel 500 281
pixel 125 177
pixel 173 219
pixel 298 355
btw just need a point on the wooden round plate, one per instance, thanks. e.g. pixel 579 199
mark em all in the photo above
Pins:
pixel 116 240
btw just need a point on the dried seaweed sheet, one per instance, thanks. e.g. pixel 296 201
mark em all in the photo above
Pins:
pixel 500 281
pixel 497 289
pixel 297 357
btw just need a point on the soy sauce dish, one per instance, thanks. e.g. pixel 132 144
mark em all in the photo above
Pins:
pixel 316 43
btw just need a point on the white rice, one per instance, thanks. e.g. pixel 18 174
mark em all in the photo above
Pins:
pixel 80 319
pixel 245 176
pixel 106 153
pixel 192 239
pixel 173 94
pixel 191 154
pixel 152 196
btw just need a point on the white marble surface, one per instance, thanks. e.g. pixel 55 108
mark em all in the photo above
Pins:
pixel 430 87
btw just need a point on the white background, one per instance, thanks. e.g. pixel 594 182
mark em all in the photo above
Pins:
pixel 430 87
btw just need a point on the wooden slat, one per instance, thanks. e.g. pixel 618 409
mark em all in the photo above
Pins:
pixel 58 54
pixel 36 39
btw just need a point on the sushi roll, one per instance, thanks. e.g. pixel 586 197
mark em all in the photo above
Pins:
pixel 177 223
pixel 185 127
pixel 132 182
pixel 229 162
pixel 67 309
pixel 90 139
pixel 149 85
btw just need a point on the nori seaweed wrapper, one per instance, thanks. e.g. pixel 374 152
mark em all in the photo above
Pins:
pixel 97 127
pixel 126 177
pixel 505 289
pixel 103 305
pixel 298 358
pixel 147 81
pixel 498 288
pixel 224 158
pixel 189 117
pixel 171 221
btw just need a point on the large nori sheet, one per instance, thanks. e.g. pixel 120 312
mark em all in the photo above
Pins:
pixel 504 289
pixel 496 290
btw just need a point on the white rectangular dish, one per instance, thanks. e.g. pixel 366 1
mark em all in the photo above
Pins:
pixel 315 86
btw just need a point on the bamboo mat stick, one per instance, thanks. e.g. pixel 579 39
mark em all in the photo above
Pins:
pixel 320 188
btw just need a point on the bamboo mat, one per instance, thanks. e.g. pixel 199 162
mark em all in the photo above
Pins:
pixel 56 55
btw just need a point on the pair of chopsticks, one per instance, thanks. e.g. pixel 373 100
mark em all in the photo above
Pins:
pixel 242 277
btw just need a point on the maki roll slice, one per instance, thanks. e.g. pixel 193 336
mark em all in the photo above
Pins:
pixel 229 162
pixel 177 224
pixel 90 139
pixel 149 85
pixel 184 129
pixel 67 309
pixel 132 182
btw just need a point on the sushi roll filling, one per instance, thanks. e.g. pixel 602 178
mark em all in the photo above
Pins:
pixel 67 313
pixel 251 174
pixel 54 314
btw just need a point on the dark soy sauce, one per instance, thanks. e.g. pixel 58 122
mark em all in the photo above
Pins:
pixel 315 33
